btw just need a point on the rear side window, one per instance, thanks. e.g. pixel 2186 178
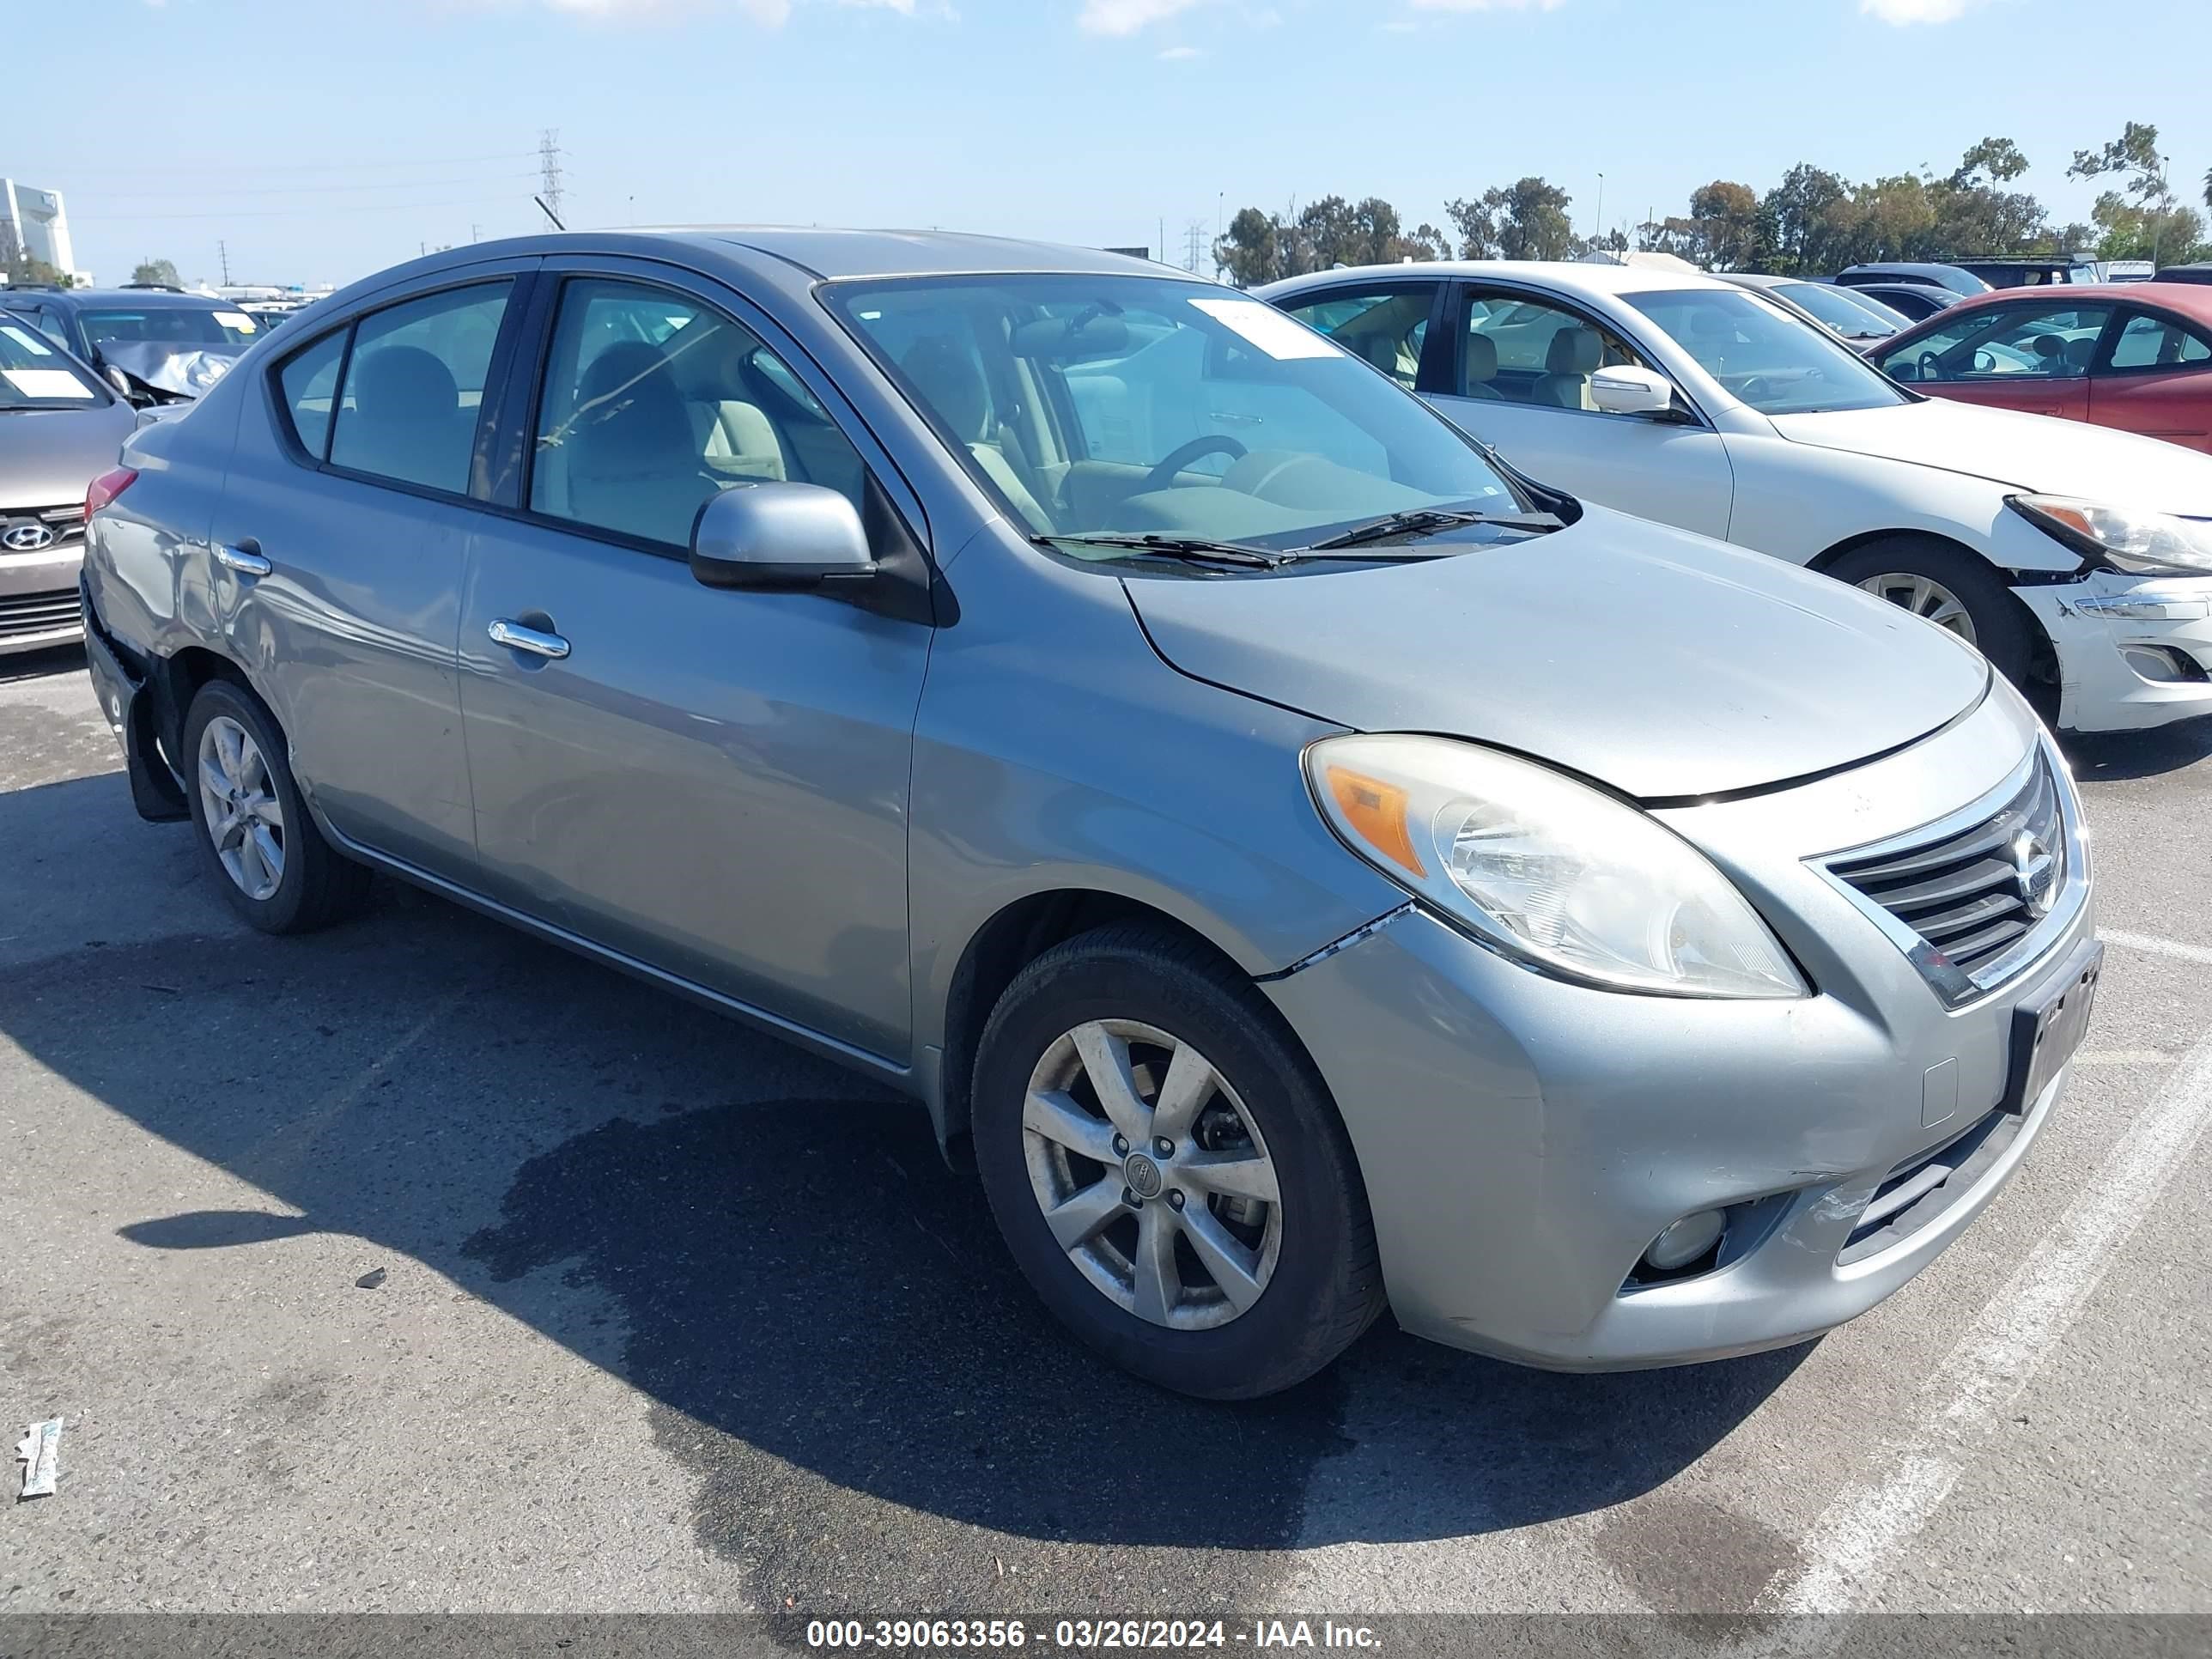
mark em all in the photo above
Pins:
pixel 310 381
pixel 414 384
pixel 1387 326
pixel 2153 343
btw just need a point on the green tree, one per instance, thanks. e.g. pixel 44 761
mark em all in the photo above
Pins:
pixel 1527 220
pixel 157 272
pixel 2142 219
pixel 23 271
pixel 1797 222
pixel 1250 253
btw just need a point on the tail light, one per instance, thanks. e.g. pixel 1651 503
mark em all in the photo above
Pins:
pixel 106 486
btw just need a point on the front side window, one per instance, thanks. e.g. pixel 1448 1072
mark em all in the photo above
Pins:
pixel 1763 356
pixel 1387 326
pixel 414 384
pixel 1524 351
pixel 2153 343
pixel 1112 405
pixel 653 401
pixel 2044 340
pixel 35 375
pixel 191 325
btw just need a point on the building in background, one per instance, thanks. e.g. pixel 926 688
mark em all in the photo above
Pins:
pixel 34 223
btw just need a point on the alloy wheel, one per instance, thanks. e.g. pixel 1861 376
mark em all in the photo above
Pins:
pixel 1926 598
pixel 238 800
pixel 1151 1174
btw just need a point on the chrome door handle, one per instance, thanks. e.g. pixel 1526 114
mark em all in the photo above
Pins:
pixel 243 561
pixel 516 637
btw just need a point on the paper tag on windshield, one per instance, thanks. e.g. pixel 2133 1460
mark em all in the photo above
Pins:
pixel 47 383
pixel 30 342
pixel 237 319
pixel 1268 329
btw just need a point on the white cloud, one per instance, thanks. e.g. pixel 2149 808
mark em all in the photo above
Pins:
pixel 1181 54
pixel 1917 11
pixel 1128 17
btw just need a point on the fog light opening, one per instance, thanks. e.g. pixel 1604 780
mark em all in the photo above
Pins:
pixel 2162 665
pixel 1686 1243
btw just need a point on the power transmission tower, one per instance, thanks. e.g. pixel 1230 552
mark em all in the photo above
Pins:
pixel 223 252
pixel 548 168
pixel 1194 234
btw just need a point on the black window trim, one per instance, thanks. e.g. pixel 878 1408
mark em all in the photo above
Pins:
pixel 1574 307
pixel 1999 312
pixel 2102 367
pixel 522 392
pixel 272 385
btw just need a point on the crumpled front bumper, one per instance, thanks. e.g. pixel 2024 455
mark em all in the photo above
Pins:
pixel 2133 651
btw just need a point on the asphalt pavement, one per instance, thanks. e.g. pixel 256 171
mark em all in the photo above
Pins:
pixel 673 1316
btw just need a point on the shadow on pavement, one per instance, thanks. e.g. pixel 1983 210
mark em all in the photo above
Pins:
pixel 777 1256
pixel 2120 756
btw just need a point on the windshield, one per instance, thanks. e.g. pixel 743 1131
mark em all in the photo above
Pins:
pixel 1775 363
pixel 1142 405
pixel 1832 306
pixel 168 325
pixel 33 375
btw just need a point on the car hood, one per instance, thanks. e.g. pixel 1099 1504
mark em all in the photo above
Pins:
pixel 1656 661
pixel 2028 452
pixel 47 456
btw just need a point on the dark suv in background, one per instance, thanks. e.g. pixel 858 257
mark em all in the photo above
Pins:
pixel 167 345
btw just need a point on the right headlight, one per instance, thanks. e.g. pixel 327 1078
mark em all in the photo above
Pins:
pixel 2140 543
pixel 1547 870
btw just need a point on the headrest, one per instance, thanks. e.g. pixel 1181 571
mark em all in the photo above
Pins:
pixel 402 383
pixel 630 402
pixel 1575 351
pixel 952 381
pixel 2050 348
pixel 1482 358
pixel 2078 352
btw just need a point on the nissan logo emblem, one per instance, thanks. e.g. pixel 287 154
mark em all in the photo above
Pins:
pixel 26 535
pixel 2036 872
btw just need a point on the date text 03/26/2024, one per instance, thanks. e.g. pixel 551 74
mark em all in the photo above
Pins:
pixel 1081 1635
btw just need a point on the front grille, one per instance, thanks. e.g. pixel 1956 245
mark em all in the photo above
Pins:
pixel 67 521
pixel 1971 895
pixel 1920 1189
pixel 27 614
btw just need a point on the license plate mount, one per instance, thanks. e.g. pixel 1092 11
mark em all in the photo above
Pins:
pixel 2046 1031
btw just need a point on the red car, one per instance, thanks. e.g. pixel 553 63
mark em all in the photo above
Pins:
pixel 2134 356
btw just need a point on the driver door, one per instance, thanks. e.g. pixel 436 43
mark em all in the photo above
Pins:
pixel 1519 381
pixel 2034 357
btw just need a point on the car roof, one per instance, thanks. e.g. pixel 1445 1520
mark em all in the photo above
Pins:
pixel 129 296
pixel 2192 299
pixel 1591 281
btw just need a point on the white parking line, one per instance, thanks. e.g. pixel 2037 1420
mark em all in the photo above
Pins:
pixel 2151 945
pixel 1863 1531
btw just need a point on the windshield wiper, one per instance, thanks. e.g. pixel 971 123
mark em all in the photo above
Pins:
pixel 1195 549
pixel 1427 521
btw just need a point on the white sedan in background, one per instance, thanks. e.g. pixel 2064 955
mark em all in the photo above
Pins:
pixel 2079 560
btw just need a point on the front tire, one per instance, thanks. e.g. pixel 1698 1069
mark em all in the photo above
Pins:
pixel 269 858
pixel 1168 1170
pixel 1952 588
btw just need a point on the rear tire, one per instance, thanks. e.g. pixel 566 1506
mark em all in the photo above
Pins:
pixel 1948 587
pixel 268 856
pixel 1203 1284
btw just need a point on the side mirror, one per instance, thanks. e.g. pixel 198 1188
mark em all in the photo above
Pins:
pixel 787 536
pixel 1626 389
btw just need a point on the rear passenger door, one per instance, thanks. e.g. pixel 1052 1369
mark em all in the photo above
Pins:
pixel 340 545
pixel 713 783
pixel 2156 379
pixel 1519 381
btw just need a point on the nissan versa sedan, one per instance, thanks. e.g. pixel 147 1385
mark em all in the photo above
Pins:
pixel 2079 561
pixel 1093 703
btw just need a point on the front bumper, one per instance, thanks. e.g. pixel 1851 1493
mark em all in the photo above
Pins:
pixel 1525 1140
pixel 2133 651
pixel 38 598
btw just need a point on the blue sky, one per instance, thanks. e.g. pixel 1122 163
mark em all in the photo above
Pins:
pixel 322 140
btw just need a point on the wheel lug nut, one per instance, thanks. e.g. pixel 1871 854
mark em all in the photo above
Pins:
pixel 1174 1199
pixel 1163 1146
pixel 1131 1201
pixel 1121 1147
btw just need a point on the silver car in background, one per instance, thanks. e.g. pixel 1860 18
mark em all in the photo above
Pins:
pixel 1312 867
pixel 59 429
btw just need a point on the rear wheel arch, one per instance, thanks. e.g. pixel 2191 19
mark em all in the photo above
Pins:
pixel 177 680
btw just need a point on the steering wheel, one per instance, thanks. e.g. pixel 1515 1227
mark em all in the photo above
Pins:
pixel 1752 387
pixel 1932 367
pixel 1196 450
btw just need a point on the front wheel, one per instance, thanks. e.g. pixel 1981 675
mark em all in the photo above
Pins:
pixel 1168 1170
pixel 1952 588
